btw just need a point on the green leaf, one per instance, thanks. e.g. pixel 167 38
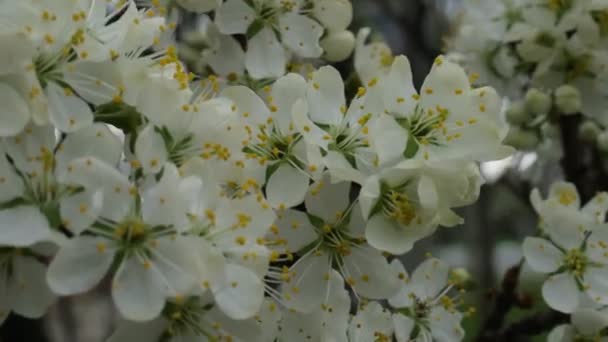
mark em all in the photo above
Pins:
pixel 255 27
pixel 272 169
pixel 411 148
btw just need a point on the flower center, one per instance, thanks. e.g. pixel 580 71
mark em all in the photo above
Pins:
pixel 132 232
pixel 398 206
pixel 426 127
pixel 576 261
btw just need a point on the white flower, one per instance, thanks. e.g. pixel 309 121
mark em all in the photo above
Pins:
pixel 329 235
pixel 152 262
pixel 35 200
pixel 448 120
pixel 586 324
pixel 572 251
pixel 325 122
pixel 423 308
pixel 194 319
pixel 266 56
pixel 405 203
pixel 269 136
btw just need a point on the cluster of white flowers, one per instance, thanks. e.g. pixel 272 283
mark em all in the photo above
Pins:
pixel 221 212
pixel 513 44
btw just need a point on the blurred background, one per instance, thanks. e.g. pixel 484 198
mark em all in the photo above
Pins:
pixel 486 245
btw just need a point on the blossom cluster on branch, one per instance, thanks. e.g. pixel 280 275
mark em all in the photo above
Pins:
pixel 229 187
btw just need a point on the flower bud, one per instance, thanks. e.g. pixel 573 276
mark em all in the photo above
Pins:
pixel 568 99
pixel 602 141
pixel 588 131
pixel 338 45
pixel 549 130
pixel 517 114
pixel 537 102
pixel 460 276
pixel 521 139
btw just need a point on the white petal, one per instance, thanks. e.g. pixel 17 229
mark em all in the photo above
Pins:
pixel 247 104
pixel 398 89
pixel 15 113
pixel 403 327
pixel 312 133
pixel 242 295
pixel 429 278
pixel 561 292
pixel 285 92
pixel 308 281
pixel 93 141
pixel 371 275
pixel 385 234
pixel 23 226
pixel 328 200
pixel 265 56
pixel 286 187
pixel 388 139
pixel 589 321
pixel 32 295
pixel 234 16
pixel 326 96
pixel 68 112
pixel 445 325
pixel 542 255
pixel 175 260
pixel 562 333
pixel 80 265
pixel 335 15
pixel 301 35
pixel 95 174
pixel 150 150
pixel 227 57
pixel 370 321
pixel 294 229
pixel 403 297
pixel 81 210
pixel 138 290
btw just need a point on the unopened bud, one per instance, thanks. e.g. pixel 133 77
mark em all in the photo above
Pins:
pixel 517 114
pixel 549 130
pixel 338 45
pixel 521 139
pixel 460 276
pixel 602 141
pixel 537 102
pixel 568 99
pixel 588 131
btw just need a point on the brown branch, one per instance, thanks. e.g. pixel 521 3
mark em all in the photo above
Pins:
pixel 506 298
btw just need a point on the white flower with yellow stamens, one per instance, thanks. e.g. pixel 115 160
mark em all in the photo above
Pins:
pixel 572 249
pixel 273 27
pixel 269 136
pixel 424 309
pixel 371 60
pixel 325 122
pixel 152 262
pixel 447 121
pixel 328 236
pixel 195 319
pixel 34 199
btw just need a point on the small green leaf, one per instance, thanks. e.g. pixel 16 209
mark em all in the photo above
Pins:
pixel 255 27
pixel 411 148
